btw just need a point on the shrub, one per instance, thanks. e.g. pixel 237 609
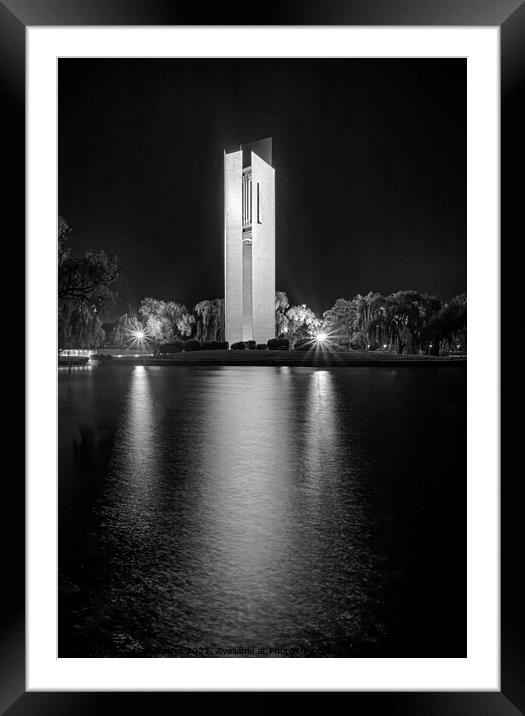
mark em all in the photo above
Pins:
pixel 215 346
pixel 304 344
pixel 192 346
pixel 278 344
pixel 175 347
pixel 238 346
pixel 261 346
pixel 250 345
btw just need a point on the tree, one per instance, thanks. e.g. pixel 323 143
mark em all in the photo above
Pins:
pixel 210 320
pixel 218 320
pixel 372 319
pixel 405 318
pixel 84 292
pixel 83 277
pixel 447 328
pixel 165 320
pixel 340 320
pixel 302 323
pixel 409 316
pixel 79 326
pixel 204 311
pixel 457 321
pixel 63 233
pixel 281 319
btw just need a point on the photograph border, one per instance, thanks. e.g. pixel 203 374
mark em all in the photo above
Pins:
pixel 479 668
pixel 14 18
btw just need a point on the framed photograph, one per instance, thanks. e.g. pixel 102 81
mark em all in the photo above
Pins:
pixel 260 454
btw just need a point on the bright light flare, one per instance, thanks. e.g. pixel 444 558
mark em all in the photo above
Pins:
pixel 321 337
pixel 136 338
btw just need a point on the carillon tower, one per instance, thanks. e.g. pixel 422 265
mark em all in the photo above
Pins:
pixel 249 243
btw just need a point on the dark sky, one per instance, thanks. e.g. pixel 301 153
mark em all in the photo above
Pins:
pixel 370 160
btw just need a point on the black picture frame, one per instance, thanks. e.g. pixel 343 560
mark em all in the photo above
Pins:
pixel 509 15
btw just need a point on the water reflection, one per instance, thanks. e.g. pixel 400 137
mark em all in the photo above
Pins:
pixel 135 465
pixel 245 498
pixel 248 507
pixel 128 511
pixel 321 447
pixel 334 505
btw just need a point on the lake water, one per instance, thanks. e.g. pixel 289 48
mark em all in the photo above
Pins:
pixel 296 511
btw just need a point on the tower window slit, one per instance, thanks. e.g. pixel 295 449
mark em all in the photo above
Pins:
pixel 259 209
pixel 244 201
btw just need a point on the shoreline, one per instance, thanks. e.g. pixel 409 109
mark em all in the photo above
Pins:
pixel 314 359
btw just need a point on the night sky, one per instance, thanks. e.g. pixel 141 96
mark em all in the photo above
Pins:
pixel 370 160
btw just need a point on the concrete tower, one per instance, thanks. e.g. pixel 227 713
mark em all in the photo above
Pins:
pixel 249 243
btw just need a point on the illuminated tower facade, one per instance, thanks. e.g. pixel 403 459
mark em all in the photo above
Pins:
pixel 249 243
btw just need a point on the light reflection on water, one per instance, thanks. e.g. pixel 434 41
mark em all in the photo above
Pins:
pixel 242 507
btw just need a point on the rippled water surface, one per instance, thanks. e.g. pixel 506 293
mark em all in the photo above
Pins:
pixel 295 511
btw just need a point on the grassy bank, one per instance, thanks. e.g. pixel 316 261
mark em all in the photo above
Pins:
pixel 317 358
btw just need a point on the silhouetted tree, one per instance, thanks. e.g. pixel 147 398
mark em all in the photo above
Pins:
pixel 84 292
pixel 408 313
pixel 447 328
pixel 83 278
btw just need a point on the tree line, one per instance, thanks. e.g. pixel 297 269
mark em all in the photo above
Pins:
pixel 404 322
